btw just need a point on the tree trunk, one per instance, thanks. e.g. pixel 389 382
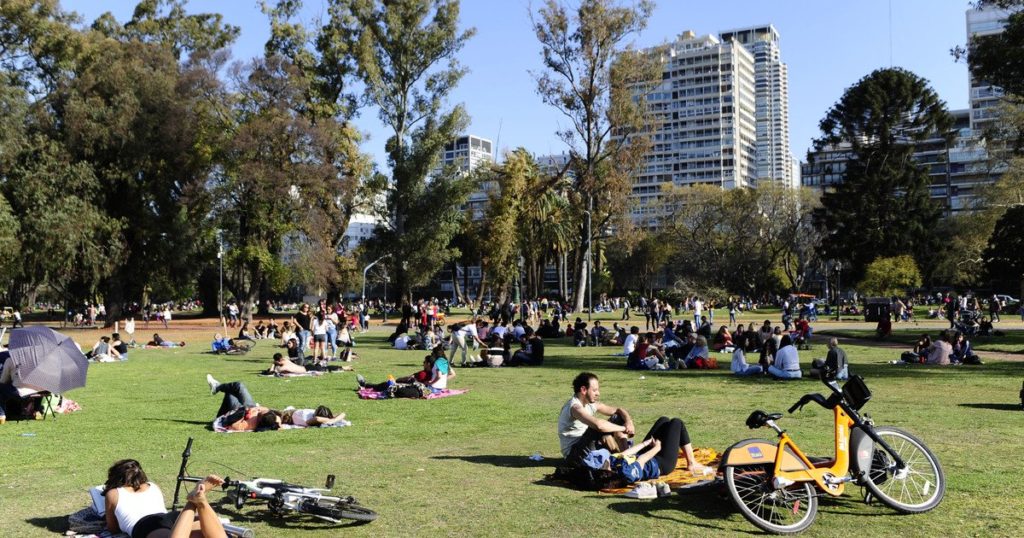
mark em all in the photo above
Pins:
pixel 581 285
pixel 455 282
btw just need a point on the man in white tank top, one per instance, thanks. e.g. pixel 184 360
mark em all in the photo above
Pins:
pixel 580 431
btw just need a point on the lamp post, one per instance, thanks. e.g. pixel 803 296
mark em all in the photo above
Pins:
pixel 839 288
pixel 220 258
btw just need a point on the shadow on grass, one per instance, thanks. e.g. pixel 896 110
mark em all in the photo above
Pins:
pixel 57 524
pixel 994 406
pixel 705 510
pixel 262 514
pixel 514 462
pixel 182 421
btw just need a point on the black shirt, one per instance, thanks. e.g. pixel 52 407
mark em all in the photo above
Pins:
pixel 303 320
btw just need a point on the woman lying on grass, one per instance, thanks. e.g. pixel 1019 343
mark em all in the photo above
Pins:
pixel 658 454
pixel 135 506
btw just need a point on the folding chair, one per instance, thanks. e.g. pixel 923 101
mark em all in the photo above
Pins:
pixel 44 403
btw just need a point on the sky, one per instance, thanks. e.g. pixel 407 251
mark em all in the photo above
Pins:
pixel 828 44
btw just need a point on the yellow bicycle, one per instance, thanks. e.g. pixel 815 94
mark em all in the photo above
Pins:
pixel 776 486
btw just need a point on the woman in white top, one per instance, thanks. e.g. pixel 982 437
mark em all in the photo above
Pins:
pixel 135 506
pixel 319 330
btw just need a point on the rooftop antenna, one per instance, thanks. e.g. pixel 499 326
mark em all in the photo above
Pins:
pixel 497 143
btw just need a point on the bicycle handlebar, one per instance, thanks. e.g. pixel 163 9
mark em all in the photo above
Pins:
pixel 807 398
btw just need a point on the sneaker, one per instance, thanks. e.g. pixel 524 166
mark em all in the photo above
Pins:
pixel 644 490
pixel 664 490
pixel 361 380
pixel 213 383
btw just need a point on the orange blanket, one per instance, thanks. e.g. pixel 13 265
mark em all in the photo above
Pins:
pixel 680 476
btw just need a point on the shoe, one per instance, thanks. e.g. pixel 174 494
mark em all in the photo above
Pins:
pixel 644 490
pixel 37 416
pixel 664 490
pixel 361 380
pixel 213 383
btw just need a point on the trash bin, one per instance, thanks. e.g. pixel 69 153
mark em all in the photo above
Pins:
pixel 877 310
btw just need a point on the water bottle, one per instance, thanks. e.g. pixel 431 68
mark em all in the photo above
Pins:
pixel 28 434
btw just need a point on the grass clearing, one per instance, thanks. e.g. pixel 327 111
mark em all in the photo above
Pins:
pixel 460 466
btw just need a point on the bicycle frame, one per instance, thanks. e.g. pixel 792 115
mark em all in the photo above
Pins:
pixel 832 479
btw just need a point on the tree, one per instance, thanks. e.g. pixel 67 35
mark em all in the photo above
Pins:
pixel 998 58
pixel 599 85
pixel 1004 256
pixel 406 57
pixel 885 277
pixel 883 206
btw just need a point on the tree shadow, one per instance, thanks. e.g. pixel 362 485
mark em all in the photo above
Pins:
pixel 994 406
pixel 258 514
pixel 182 421
pixel 514 462
pixel 56 524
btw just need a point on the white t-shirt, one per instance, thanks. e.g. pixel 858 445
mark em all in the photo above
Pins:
pixel 570 428
pixel 630 344
pixel 133 506
pixel 302 417
pixel 787 359
pixel 518 331
pixel 468 331
pixel 402 342
pixel 698 307
pixel 739 361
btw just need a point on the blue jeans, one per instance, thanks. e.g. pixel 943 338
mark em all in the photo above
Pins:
pixel 235 396
pixel 784 374
pixel 303 342
pixel 332 341
pixel 750 370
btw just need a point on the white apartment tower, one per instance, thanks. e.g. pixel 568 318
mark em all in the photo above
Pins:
pixel 703 114
pixel 467 153
pixel 771 88
pixel 984 96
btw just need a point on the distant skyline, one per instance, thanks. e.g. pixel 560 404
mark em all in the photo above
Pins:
pixel 828 45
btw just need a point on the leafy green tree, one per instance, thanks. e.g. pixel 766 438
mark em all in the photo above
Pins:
pixel 885 277
pixel 883 206
pixel 406 52
pixel 999 58
pixel 599 85
pixel 1004 256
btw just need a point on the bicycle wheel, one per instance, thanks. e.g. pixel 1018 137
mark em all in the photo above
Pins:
pixel 336 510
pixel 917 488
pixel 781 511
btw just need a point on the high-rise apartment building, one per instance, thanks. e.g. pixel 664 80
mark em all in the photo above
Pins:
pixel 467 153
pixel 771 89
pixel 703 115
pixel 984 97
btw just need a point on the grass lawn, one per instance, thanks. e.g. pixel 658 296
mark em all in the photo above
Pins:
pixel 459 466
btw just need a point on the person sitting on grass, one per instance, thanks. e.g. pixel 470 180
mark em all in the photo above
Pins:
pixel 532 352
pixel 102 351
pixel 940 350
pixel 158 342
pixel 580 431
pixel 787 360
pixel 739 364
pixel 283 366
pixel 135 506
pixel 722 340
pixel 220 344
pixel 651 458
pixel 835 361
pixel 698 355
pixel 646 356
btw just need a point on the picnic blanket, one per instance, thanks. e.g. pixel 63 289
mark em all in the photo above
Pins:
pixel 680 476
pixel 312 373
pixel 367 393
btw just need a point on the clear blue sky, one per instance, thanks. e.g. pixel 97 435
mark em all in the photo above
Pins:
pixel 828 44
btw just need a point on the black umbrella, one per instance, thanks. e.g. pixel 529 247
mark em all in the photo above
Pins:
pixel 47 360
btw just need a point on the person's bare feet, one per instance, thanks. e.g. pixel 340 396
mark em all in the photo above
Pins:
pixel 198 495
pixel 696 469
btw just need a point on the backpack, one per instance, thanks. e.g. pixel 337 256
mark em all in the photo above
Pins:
pixel 585 478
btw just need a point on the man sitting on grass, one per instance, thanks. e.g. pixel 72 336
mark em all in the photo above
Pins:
pixel 580 431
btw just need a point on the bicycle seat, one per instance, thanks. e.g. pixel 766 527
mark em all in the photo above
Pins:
pixel 759 418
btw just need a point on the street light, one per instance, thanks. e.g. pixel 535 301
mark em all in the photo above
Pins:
pixel 839 288
pixel 590 267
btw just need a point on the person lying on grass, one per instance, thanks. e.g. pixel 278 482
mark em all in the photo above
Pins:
pixel 240 412
pixel 135 506
pixel 157 342
pixel 284 366
pixel 658 454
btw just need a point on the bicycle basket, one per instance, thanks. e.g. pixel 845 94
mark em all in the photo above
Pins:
pixel 856 392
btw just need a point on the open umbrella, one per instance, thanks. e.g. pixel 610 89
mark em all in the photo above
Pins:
pixel 47 359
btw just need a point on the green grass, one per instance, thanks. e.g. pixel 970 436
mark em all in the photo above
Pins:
pixel 459 466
